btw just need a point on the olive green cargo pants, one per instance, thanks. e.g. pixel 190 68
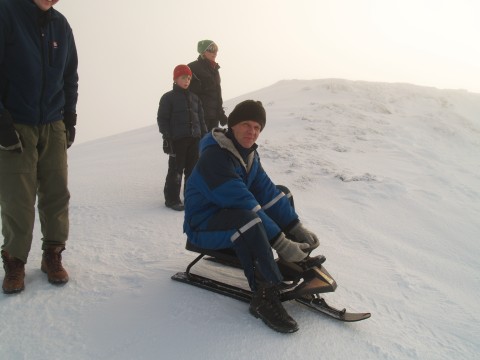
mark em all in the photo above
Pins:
pixel 40 170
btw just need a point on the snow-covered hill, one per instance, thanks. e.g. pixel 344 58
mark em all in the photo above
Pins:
pixel 387 175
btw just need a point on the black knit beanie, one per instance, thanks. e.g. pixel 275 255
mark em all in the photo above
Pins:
pixel 248 110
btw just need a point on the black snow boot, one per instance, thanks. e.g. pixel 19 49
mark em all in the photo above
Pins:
pixel 267 306
pixel 171 190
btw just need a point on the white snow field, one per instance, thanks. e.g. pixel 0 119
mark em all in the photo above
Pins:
pixel 388 177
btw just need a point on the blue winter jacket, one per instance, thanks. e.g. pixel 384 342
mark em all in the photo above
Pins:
pixel 38 63
pixel 222 179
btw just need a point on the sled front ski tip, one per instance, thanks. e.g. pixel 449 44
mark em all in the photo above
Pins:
pixel 320 305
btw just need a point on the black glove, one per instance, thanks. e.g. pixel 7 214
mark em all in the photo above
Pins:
pixel 168 146
pixel 9 137
pixel 70 120
pixel 223 119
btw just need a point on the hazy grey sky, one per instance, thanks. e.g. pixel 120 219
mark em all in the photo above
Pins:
pixel 128 50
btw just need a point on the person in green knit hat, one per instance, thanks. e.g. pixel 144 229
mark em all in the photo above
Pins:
pixel 206 83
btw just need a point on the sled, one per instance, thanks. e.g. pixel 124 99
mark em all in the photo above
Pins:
pixel 303 282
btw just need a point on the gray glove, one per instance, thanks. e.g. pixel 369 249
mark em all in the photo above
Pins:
pixel 289 250
pixel 302 235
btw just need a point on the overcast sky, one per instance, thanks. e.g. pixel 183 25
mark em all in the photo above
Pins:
pixel 127 50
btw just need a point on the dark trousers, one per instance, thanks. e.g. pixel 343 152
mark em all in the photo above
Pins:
pixel 243 231
pixel 181 162
pixel 250 243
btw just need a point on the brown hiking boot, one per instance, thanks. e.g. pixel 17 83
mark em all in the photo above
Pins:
pixel 14 274
pixel 52 265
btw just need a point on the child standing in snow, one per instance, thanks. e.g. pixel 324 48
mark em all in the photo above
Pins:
pixel 180 120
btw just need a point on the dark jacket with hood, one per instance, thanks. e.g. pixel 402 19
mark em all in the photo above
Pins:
pixel 206 84
pixel 180 115
pixel 38 63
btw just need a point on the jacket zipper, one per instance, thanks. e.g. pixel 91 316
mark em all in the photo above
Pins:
pixel 189 110
pixel 42 91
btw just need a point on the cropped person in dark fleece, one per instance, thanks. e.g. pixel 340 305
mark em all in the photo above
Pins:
pixel 38 98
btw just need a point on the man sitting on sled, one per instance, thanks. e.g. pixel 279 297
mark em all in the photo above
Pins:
pixel 230 202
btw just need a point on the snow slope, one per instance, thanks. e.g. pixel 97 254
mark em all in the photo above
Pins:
pixel 387 175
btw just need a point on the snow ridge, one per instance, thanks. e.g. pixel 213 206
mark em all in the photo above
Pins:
pixel 388 177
